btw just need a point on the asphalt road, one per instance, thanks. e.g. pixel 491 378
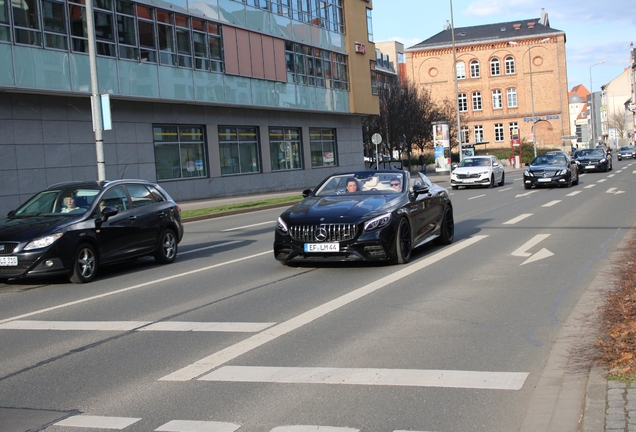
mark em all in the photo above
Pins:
pixel 228 339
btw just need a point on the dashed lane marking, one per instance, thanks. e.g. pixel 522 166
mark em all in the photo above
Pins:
pixel 551 203
pixel 574 193
pixel 477 196
pixel 377 377
pixel 248 226
pixel 197 426
pixel 518 219
pixel 589 186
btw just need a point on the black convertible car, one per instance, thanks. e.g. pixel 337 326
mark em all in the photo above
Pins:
pixel 365 215
pixel 552 169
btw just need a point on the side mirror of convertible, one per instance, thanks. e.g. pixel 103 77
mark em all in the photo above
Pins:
pixel 420 189
pixel 306 193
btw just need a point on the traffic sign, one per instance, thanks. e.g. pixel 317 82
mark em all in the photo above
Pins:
pixel 376 138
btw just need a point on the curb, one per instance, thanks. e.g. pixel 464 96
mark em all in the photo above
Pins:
pixel 595 396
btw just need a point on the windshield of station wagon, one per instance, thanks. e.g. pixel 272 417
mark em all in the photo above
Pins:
pixel 71 201
pixel 379 183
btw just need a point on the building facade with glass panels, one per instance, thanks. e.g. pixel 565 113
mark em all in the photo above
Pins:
pixel 210 98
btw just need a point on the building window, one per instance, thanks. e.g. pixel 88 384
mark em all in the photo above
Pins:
pixel 320 13
pixel 512 97
pixel 179 152
pixel 474 69
pixel 465 134
pixel 323 147
pixel 238 148
pixel 499 132
pixel 510 65
pixel 497 99
pixel 477 101
pixel 316 67
pixel 479 133
pixel 369 25
pixel 495 69
pixel 513 130
pixel 374 79
pixel 462 102
pixel 285 148
pixel 460 68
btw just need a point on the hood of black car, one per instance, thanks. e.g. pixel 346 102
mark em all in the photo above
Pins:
pixel 24 229
pixel 340 209
pixel 547 167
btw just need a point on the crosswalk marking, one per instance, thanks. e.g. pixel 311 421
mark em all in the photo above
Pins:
pixel 176 326
pixel 98 422
pixel 379 377
pixel 218 358
pixel 197 426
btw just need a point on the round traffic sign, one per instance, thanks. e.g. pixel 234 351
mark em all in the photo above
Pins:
pixel 376 138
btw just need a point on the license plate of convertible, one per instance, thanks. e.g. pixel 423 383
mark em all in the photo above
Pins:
pixel 322 247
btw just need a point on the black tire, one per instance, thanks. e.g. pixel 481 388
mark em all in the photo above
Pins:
pixel 576 182
pixel 569 184
pixel 492 181
pixel 84 264
pixel 527 186
pixel 447 229
pixel 503 179
pixel 455 187
pixel 167 248
pixel 403 243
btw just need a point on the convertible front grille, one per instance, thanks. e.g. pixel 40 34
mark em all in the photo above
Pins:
pixel 332 232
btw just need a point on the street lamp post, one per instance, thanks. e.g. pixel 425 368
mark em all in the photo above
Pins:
pixel 593 137
pixel 459 127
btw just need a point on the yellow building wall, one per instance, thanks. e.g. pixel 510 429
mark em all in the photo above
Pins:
pixel 433 69
pixel 362 101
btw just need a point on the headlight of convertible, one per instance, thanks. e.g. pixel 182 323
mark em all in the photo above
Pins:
pixel 42 242
pixel 378 222
pixel 281 226
pixel 561 172
pixel 528 173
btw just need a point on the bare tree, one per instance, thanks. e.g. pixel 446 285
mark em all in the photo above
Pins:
pixel 617 120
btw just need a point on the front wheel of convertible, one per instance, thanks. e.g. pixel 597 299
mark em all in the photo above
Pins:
pixel 167 247
pixel 447 229
pixel 403 243
pixel 84 264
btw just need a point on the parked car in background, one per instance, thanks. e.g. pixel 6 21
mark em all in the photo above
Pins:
pixel 74 228
pixel 593 160
pixel 365 216
pixel 483 171
pixel 626 152
pixel 555 169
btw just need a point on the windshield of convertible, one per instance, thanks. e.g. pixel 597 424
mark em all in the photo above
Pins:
pixel 71 201
pixel 368 183
pixel 550 160
pixel 591 152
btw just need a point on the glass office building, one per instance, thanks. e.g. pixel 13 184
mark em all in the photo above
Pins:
pixel 208 97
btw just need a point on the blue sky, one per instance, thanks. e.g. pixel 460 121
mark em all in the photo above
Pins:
pixel 596 30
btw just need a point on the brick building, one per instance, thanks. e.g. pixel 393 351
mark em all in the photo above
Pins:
pixel 510 75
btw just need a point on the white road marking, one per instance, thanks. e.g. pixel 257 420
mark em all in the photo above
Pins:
pixel 612 175
pixel 602 180
pixel 134 287
pixel 218 358
pixel 242 327
pixel 611 190
pixel 503 190
pixel 589 186
pixel 74 325
pixel 574 193
pixel 380 377
pixel 476 196
pixel 551 203
pixel 209 247
pixel 197 426
pixel 312 428
pixel 247 226
pixel 517 219
pixel 543 253
pixel 176 326
pixel 525 194
pixel 98 422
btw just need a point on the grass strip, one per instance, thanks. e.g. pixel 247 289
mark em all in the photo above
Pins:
pixel 185 214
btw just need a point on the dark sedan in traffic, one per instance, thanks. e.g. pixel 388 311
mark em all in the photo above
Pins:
pixel 365 216
pixel 626 152
pixel 593 160
pixel 554 169
pixel 74 228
